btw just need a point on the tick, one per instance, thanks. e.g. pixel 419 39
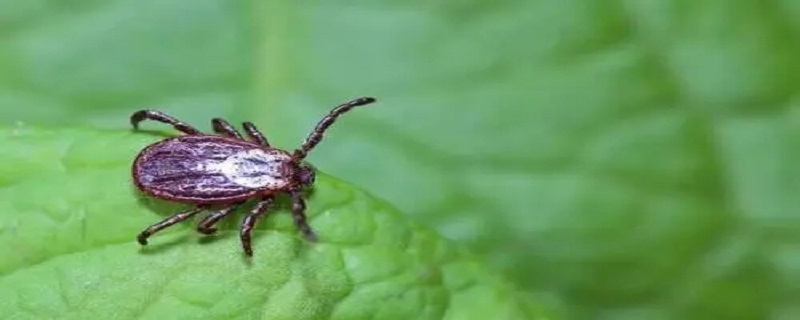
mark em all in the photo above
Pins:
pixel 223 170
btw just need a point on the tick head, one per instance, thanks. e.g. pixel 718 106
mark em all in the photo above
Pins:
pixel 306 174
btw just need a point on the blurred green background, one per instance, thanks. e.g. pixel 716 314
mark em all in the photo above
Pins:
pixel 618 159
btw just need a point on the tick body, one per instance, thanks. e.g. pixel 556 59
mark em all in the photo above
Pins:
pixel 204 169
pixel 219 172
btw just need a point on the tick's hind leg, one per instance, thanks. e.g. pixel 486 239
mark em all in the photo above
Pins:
pixel 299 215
pixel 159 116
pixel 206 226
pixel 223 127
pixel 178 217
pixel 255 134
pixel 250 221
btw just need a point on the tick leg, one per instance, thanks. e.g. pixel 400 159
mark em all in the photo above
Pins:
pixel 206 226
pixel 319 130
pixel 178 217
pixel 159 116
pixel 250 221
pixel 254 133
pixel 223 127
pixel 299 215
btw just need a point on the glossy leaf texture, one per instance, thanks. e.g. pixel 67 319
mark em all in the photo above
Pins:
pixel 70 216
pixel 628 159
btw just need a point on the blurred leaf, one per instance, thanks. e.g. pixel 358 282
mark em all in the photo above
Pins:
pixel 69 218
pixel 635 158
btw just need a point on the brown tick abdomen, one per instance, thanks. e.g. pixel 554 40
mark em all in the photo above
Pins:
pixel 209 169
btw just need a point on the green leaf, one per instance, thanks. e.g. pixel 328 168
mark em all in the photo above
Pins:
pixel 70 216
pixel 628 159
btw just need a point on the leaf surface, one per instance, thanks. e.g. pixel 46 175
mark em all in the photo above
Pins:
pixel 70 216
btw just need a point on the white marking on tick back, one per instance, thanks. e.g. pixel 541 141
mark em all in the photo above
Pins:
pixel 252 168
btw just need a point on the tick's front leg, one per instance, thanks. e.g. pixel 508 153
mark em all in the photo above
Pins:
pixel 319 130
pixel 299 215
